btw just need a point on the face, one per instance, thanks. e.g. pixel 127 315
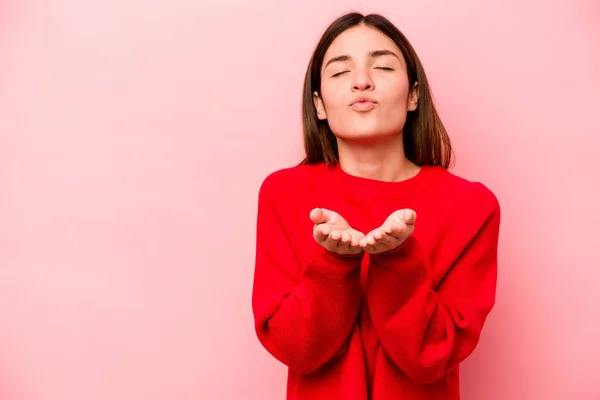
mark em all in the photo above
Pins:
pixel 365 93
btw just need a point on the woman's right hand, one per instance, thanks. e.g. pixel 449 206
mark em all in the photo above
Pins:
pixel 335 234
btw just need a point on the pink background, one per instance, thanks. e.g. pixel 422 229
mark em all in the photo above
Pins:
pixel 134 136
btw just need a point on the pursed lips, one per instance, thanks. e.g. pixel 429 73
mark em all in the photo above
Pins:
pixel 363 104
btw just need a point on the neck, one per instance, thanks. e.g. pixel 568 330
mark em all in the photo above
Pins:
pixel 382 160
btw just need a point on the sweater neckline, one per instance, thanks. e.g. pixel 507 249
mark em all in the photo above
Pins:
pixel 367 187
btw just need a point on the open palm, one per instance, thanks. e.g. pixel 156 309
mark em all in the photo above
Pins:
pixel 394 231
pixel 334 233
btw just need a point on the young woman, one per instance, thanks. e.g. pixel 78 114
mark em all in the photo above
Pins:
pixel 358 297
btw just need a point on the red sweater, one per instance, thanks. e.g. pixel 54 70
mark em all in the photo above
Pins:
pixel 374 327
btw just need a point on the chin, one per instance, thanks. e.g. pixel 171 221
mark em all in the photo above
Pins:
pixel 367 135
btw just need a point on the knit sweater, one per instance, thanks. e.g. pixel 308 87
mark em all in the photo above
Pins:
pixel 374 327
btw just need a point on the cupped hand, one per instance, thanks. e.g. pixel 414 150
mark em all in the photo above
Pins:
pixel 335 234
pixel 394 231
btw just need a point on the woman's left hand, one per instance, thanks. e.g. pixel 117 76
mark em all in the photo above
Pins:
pixel 394 231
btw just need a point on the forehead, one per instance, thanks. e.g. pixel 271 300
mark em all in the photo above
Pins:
pixel 358 41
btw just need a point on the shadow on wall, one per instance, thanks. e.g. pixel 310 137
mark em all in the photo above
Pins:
pixel 503 337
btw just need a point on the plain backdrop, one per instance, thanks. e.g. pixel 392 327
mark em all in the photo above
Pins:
pixel 134 136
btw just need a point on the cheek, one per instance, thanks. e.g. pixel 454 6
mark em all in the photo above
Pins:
pixel 396 94
pixel 395 111
pixel 338 114
pixel 396 106
pixel 332 100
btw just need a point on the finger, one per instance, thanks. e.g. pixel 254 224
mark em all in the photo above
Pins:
pixel 409 216
pixel 378 234
pixel 318 216
pixel 394 229
pixel 385 244
pixel 321 233
pixel 356 241
pixel 319 236
pixel 336 235
pixel 346 237
pixel 321 215
pixel 370 239
pixel 333 240
pixel 380 238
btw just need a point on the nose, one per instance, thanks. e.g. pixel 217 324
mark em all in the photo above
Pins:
pixel 362 80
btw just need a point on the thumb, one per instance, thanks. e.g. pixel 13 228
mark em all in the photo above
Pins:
pixel 320 215
pixel 409 216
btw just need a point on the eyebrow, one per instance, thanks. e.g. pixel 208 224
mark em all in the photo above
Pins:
pixel 372 54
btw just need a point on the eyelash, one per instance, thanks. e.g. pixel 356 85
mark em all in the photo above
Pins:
pixel 381 68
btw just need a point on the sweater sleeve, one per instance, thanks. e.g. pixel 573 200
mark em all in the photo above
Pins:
pixel 428 332
pixel 303 314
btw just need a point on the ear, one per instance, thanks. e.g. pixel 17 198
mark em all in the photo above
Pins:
pixel 413 98
pixel 319 106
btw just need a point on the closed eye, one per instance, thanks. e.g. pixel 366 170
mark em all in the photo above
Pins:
pixel 385 68
pixel 338 74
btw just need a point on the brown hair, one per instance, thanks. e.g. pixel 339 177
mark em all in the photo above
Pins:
pixel 426 141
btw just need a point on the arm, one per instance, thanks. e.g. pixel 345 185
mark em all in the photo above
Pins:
pixel 303 313
pixel 428 333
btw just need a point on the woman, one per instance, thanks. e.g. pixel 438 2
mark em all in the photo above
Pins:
pixel 354 296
